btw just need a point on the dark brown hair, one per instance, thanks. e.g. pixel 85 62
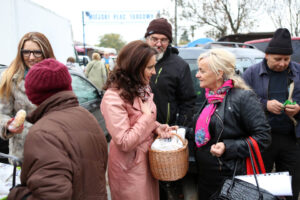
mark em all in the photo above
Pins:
pixel 128 74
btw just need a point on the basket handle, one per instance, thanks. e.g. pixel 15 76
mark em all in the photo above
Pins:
pixel 183 142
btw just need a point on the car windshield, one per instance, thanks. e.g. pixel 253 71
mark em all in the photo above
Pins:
pixel 261 45
pixel 83 89
pixel 257 60
pixel 199 91
pixel 243 63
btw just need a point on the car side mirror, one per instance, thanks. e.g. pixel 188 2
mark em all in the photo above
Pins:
pixel 85 61
pixel 238 72
pixel 101 93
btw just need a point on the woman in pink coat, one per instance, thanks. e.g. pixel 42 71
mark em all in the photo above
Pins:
pixel 130 117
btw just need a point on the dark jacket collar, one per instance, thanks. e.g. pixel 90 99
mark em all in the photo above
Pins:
pixel 58 101
pixel 263 68
pixel 292 69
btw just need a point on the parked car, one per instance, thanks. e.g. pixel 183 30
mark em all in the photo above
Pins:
pixel 263 43
pixel 245 57
pixel 3 143
pixel 75 67
pixel 2 67
pixel 88 96
pixel 83 60
pixel 211 45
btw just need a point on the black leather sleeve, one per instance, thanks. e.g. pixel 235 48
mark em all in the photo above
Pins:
pixel 255 124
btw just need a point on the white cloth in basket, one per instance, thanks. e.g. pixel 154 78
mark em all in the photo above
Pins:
pixel 169 144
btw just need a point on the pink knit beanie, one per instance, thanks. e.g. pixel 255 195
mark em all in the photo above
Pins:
pixel 45 79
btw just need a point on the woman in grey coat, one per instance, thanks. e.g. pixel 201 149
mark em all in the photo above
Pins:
pixel 33 48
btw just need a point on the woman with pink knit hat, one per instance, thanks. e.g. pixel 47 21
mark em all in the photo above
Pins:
pixel 65 152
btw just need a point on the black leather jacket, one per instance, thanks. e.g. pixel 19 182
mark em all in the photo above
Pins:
pixel 239 116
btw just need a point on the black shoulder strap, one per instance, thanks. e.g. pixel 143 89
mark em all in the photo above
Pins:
pixel 87 73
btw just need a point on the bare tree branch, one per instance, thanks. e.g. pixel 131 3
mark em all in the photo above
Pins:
pixel 285 13
pixel 223 16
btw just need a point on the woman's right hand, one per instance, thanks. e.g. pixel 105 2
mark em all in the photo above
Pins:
pixel 163 131
pixel 274 106
pixel 145 107
pixel 217 149
pixel 17 130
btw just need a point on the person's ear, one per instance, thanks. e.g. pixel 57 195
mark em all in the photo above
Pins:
pixel 266 55
pixel 220 74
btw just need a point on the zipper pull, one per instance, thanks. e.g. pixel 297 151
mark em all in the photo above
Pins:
pixel 220 164
pixel 159 71
pixel 177 118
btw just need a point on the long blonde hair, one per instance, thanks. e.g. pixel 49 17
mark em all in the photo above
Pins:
pixel 220 59
pixel 18 64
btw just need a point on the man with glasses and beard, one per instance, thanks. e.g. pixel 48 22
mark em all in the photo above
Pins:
pixel 172 85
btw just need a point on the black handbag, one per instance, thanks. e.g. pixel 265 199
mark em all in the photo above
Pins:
pixel 236 189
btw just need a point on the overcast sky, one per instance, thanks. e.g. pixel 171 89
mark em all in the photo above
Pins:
pixel 72 10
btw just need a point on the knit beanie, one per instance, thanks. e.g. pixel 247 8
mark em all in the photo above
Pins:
pixel 280 43
pixel 45 79
pixel 160 26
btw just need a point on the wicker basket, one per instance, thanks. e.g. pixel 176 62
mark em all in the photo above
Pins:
pixel 169 165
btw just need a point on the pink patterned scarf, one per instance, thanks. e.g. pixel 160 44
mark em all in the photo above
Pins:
pixel 202 135
pixel 144 92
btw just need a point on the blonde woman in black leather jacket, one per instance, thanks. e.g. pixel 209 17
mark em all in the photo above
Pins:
pixel 232 115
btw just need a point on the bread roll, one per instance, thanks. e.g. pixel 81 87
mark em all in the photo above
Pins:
pixel 19 119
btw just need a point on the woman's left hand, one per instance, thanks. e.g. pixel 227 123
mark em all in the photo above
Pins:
pixel 164 130
pixel 292 110
pixel 217 149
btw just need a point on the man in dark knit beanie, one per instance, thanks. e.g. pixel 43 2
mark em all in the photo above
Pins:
pixel 65 151
pixel 276 81
pixel 172 85
pixel 281 43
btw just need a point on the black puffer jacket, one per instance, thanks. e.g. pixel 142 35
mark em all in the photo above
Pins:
pixel 239 116
pixel 173 89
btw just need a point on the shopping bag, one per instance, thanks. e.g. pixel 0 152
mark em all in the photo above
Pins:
pixel 236 189
pixel 278 184
pixel 9 175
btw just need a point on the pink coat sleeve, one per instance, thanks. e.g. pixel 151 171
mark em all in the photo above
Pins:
pixel 126 123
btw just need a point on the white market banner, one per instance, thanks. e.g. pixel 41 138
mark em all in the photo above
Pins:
pixel 119 17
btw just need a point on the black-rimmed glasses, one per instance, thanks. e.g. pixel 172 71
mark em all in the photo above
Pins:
pixel 156 40
pixel 36 53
